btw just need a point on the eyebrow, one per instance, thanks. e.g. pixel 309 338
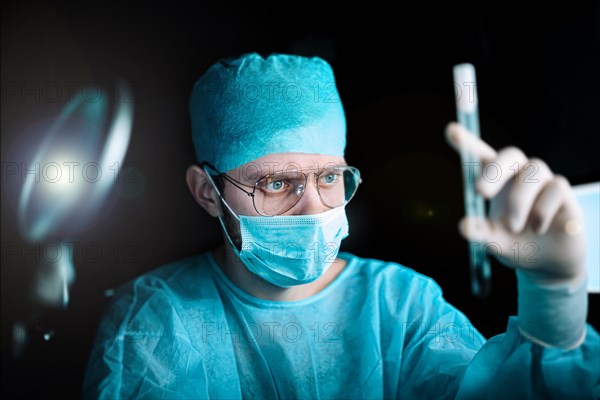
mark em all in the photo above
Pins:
pixel 261 173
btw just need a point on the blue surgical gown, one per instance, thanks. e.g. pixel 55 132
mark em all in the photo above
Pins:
pixel 379 330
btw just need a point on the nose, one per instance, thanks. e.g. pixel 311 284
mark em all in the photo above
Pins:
pixel 310 203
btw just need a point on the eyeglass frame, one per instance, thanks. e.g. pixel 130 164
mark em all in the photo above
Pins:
pixel 238 185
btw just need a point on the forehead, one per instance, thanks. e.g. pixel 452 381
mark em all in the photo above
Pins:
pixel 285 161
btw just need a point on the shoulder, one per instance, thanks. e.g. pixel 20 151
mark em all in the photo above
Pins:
pixel 175 276
pixel 401 290
pixel 390 274
pixel 164 291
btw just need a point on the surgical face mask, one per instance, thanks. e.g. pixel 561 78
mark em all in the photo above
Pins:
pixel 290 250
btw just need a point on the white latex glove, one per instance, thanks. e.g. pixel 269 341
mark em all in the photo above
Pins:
pixel 536 226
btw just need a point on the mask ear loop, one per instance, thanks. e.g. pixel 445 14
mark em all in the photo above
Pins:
pixel 237 252
pixel 219 193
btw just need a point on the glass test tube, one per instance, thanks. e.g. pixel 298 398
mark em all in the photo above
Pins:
pixel 467 115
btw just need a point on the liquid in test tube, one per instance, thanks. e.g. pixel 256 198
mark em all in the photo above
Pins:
pixel 467 115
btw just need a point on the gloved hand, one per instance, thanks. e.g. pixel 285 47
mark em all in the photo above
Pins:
pixel 536 226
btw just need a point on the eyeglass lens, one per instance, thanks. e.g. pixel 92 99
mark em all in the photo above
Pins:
pixel 279 192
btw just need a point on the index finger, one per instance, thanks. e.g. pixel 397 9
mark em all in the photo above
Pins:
pixel 462 140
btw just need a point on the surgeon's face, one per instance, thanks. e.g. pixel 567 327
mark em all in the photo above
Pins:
pixel 250 173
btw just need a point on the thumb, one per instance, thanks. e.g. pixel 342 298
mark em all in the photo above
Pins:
pixel 497 240
pixel 489 234
pixel 475 229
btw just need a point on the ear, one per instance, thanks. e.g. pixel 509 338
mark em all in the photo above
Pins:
pixel 203 191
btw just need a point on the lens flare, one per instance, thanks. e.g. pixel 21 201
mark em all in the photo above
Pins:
pixel 69 177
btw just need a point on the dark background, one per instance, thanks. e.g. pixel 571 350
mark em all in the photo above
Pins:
pixel 538 90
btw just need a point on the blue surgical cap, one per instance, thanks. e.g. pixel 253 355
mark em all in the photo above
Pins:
pixel 245 108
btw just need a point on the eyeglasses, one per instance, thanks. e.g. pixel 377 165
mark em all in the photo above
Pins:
pixel 276 193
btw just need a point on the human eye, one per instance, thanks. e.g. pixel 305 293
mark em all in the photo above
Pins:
pixel 330 178
pixel 276 186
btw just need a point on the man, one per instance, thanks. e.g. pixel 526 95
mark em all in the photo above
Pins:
pixel 276 312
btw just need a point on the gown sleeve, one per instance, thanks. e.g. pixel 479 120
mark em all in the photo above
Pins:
pixel 510 366
pixel 445 357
